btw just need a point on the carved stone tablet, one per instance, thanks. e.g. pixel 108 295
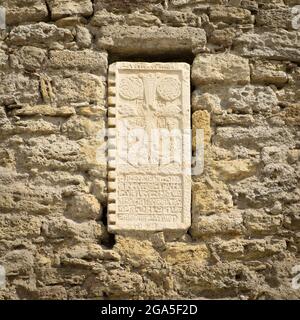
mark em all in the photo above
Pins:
pixel 149 181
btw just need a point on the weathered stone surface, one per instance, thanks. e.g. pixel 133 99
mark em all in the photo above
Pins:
pixel 154 40
pixel 51 293
pixel 3 59
pixel 211 197
pixel 177 19
pixel 142 19
pixel 220 68
pixel 275 18
pixel 230 15
pixel 249 99
pixel 218 224
pixel 78 127
pixel 23 197
pixel 152 195
pixel 230 170
pixel 17 88
pixel 184 253
pixel 79 88
pixel 63 8
pixel 70 23
pixel 29 58
pixel 87 60
pixel 201 120
pixel 39 33
pixel 282 45
pixel 206 101
pixel 255 137
pixel 67 229
pixel 265 72
pixel 53 152
pixel 82 254
pixel 249 249
pixel 18 262
pixel 223 37
pixel 83 37
pixel 20 11
pixel 139 254
pixel 25 227
pixel 104 18
pixel 261 223
pixel 123 6
pixel 83 207
pixel 291 114
pixel 226 119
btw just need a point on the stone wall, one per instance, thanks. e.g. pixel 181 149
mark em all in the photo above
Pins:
pixel 245 234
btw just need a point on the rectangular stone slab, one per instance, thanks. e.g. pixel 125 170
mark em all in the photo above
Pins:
pixel 149 181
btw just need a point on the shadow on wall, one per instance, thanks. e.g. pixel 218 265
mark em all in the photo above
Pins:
pixel 186 56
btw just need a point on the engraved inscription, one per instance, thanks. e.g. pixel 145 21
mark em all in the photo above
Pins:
pixel 151 196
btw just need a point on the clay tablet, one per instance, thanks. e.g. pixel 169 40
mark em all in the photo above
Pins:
pixel 149 180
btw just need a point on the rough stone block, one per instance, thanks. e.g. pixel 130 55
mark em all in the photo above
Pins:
pixel 83 207
pixel 18 88
pixel 211 197
pixel 280 45
pixel 218 224
pixel 139 253
pixel 21 11
pixel 275 18
pixel 249 249
pixel 40 34
pixel 86 60
pixel 29 58
pixel 253 137
pixel 185 253
pixel 79 88
pixel 64 8
pixel 53 152
pixel 151 41
pixel 230 170
pixel 265 72
pixel 201 120
pixel 26 226
pixel 252 99
pixel 222 68
pixel 230 15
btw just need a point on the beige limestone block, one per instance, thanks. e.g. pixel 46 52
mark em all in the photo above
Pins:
pixel 279 45
pixel 201 120
pixel 63 8
pixel 182 253
pixel 25 227
pixel 218 224
pixel 139 254
pixel 230 170
pixel 81 60
pixel 21 11
pixel 220 68
pixel 229 14
pixel 39 34
pixel 211 197
pixel 150 40
pixel 266 72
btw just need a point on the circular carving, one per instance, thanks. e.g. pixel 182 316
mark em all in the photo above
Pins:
pixel 131 88
pixel 169 88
